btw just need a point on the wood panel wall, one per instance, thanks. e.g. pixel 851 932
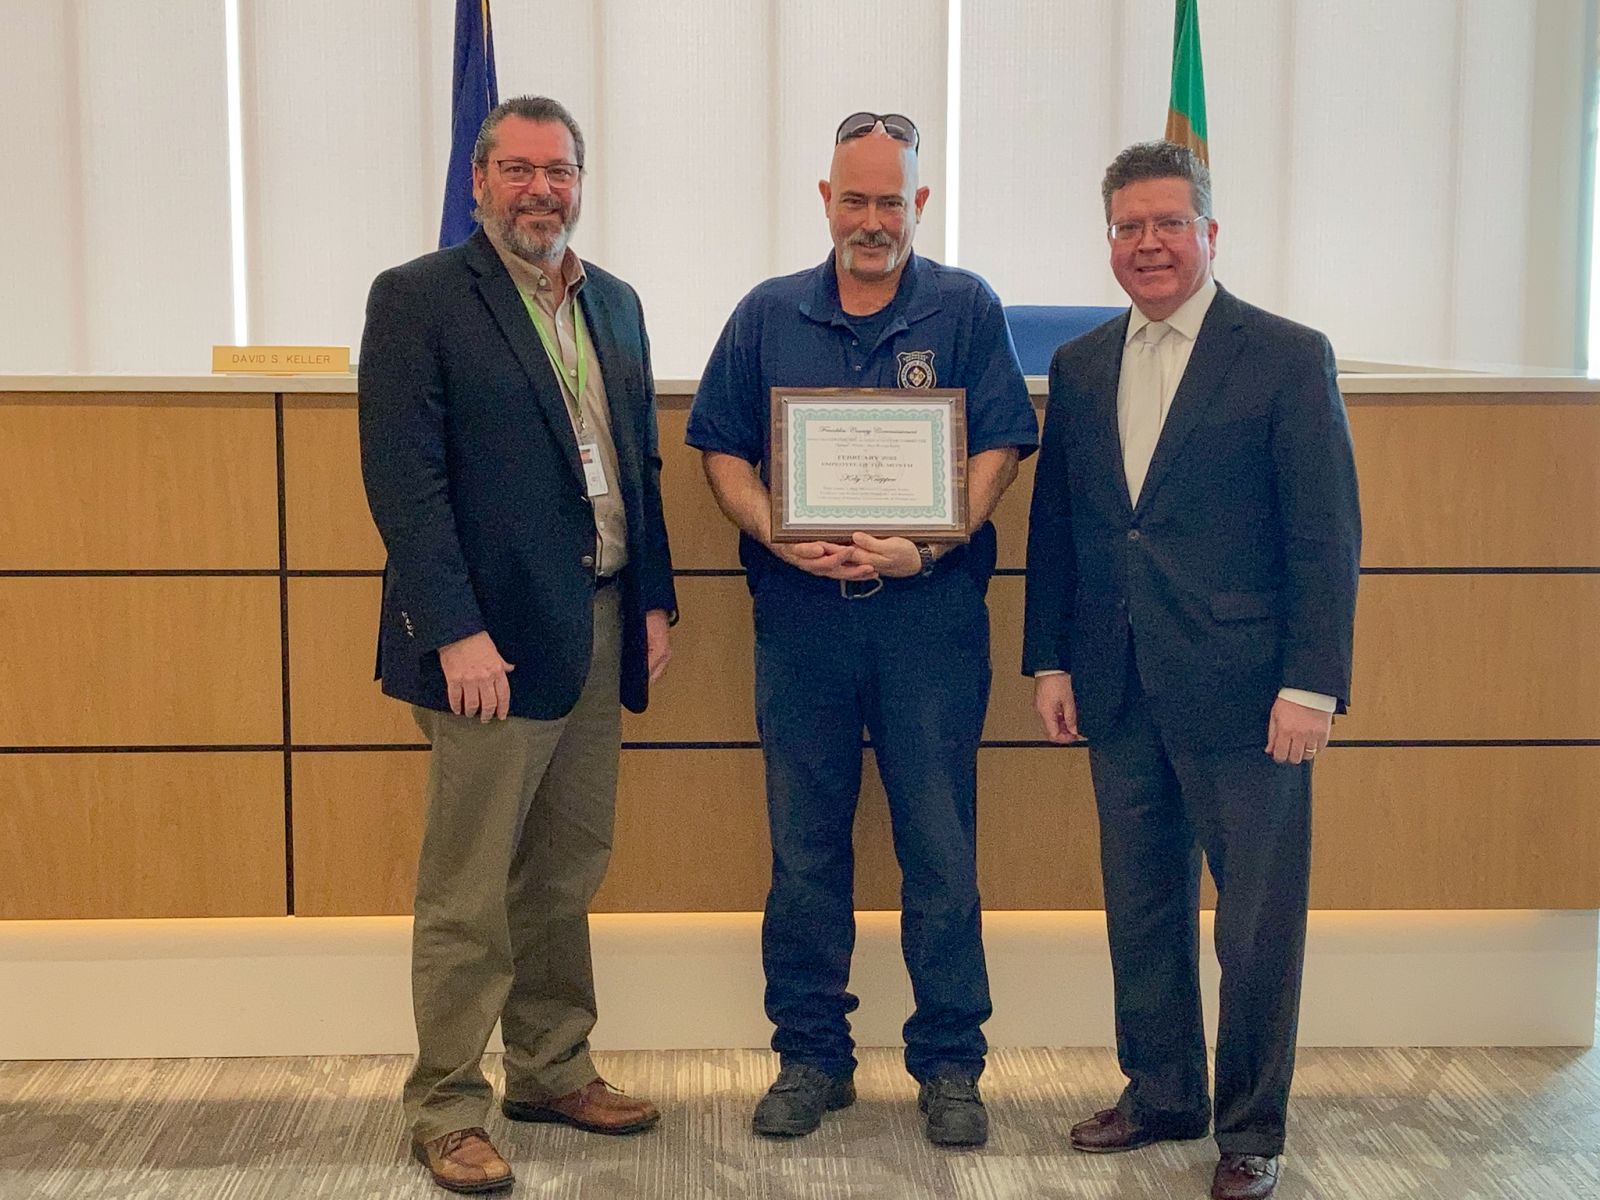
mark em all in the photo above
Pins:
pixel 188 726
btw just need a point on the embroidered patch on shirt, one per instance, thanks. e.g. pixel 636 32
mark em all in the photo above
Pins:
pixel 916 369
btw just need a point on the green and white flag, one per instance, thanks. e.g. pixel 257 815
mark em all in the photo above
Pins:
pixel 1186 111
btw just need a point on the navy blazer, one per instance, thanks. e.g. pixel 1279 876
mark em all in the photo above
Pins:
pixel 1236 574
pixel 472 473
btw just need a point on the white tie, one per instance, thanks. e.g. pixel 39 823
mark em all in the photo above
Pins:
pixel 1146 393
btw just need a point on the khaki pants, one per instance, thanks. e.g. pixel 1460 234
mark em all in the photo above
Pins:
pixel 520 817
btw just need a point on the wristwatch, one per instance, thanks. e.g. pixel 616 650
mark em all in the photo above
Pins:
pixel 925 553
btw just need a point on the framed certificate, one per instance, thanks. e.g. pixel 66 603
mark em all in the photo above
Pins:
pixel 884 461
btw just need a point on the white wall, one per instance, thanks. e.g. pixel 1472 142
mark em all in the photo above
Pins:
pixel 1402 175
pixel 288 985
pixel 1407 176
pixel 346 123
pixel 113 185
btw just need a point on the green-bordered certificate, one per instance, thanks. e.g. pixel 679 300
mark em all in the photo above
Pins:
pixel 886 461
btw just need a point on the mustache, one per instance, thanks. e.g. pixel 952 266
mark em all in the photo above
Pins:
pixel 870 238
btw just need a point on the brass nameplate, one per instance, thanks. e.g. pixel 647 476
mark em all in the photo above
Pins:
pixel 280 360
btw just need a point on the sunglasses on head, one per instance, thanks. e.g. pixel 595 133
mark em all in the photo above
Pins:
pixel 900 128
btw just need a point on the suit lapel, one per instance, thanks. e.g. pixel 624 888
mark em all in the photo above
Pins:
pixel 1221 338
pixel 610 362
pixel 500 294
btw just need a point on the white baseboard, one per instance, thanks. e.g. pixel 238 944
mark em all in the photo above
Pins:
pixel 303 986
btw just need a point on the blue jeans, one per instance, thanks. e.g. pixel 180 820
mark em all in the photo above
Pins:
pixel 911 665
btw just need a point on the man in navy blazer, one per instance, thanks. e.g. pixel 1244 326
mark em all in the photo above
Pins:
pixel 508 444
pixel 1192 563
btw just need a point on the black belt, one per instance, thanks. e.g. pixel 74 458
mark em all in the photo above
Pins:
pixel 605 581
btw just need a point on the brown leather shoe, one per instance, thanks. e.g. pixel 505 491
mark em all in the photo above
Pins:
pixel 596 1107
pixel 1244 1177
pixel 1110 1131
pixel 465 1161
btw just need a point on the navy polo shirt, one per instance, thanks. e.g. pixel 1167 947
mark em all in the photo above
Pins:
pixel 792 332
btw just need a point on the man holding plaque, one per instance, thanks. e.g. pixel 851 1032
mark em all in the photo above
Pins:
pixel 1192 566
pixel 884 631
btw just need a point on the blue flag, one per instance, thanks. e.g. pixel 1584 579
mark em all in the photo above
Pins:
pixel 473 92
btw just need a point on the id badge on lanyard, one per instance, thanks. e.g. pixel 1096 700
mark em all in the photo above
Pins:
pixel 594 470
pixel 574 383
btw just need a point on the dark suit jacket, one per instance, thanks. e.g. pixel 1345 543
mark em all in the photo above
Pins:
pixel 472 472
pixel 1236 574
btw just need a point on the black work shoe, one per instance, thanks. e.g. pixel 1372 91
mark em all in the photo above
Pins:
pixel 794 1104
pixel 956 1116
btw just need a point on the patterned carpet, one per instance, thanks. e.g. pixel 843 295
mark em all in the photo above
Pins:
pixel 1365 1125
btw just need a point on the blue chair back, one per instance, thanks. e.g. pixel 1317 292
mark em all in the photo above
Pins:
pixel 1037 329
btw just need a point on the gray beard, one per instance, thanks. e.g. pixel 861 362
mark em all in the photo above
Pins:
pixel 530 247
pixel 890 262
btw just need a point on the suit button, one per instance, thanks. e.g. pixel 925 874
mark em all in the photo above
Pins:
pixel 587 561
pixel 1133 535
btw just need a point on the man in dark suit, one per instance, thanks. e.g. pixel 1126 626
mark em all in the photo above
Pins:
pixel 1192 565
pixel 508 443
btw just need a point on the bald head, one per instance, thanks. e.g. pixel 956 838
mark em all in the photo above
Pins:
pixel 872 203
pixel 875 155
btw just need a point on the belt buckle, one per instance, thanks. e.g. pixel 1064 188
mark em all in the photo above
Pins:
pixel 846 584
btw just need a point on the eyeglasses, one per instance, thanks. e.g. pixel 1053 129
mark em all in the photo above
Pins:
pixel 519 172
pixel 900 128
pixel 1168 229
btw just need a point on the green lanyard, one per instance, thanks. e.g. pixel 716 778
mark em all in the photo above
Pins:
pixel 547 340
